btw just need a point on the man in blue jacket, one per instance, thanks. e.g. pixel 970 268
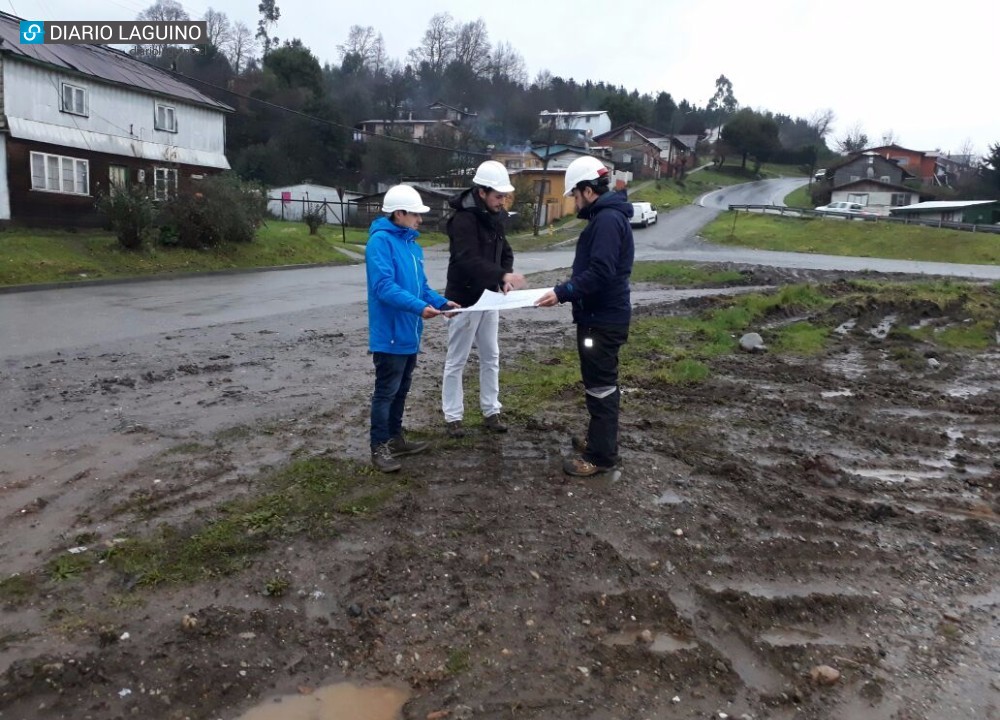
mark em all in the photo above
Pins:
pixel 602 307
pixel 399 299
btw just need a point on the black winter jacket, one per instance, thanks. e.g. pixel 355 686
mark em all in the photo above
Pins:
pixel 599 288
pixel 480 253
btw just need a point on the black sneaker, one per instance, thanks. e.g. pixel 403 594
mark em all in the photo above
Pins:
pixel 400 446
pixel 493 424
pixel 455 429
pixel 383 460
pixel 578 467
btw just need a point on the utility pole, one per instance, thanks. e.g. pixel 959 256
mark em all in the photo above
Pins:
pixel 545 170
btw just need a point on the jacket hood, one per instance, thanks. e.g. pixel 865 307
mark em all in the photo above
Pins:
pixel 384 224
pixel 612 200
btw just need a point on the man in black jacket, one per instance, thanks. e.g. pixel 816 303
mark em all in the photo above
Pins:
pixel 602 307
pixel 481 259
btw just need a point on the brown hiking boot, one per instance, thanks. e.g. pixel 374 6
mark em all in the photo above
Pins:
pixel 578 467
pixel 383 460
pixel 455 429
pixel 400 446
pixel 579 443
pixel 493 424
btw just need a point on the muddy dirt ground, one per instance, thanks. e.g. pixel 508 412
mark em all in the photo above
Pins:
pixel 788 513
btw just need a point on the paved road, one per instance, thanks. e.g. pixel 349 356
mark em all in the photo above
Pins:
pixel 65 318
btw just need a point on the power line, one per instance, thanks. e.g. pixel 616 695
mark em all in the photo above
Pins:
pixel 267 103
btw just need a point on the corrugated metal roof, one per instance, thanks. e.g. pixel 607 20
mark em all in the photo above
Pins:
pixel 932 205
pixel 101 62
pixel 112 144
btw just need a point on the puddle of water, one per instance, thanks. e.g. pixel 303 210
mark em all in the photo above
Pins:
pixel 898 476
pixel 851 365
pixel 882 329
pixel 342 701
pixel 846 327
pixel 837 393
pixel 965 391
pixel 662 642
pixel 790 637
pixel 669 497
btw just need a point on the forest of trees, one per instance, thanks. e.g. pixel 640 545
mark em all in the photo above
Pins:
pixel 295 117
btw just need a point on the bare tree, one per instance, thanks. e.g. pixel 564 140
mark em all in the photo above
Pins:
pixel 160 10
pixel 507 62
pixel 821 121
pixel 364 42
pixel 219 28
pixel 543 80
pixel 164 10
pixel 854 141
pixel 437 48
pixel 242 47
pixel 472 46
pixel 967 152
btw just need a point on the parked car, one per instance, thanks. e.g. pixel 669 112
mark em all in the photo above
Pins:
pixel 643 213
pixel 842 207
pixel 820 175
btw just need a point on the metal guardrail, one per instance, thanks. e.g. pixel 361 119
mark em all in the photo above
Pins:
pixel 808 212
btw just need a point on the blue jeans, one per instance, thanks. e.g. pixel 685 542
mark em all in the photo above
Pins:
pixel 393 374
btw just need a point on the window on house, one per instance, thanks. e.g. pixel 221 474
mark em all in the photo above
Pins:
pixel 74 99
pixel 57 173
pixel 541 186
pixel 855 178
pixel 627 137
pixel 900 199
pixel 165 183
pixel 859 198
pixel 901 161
pixel 626 158
pixel 166 118
pixel 885 179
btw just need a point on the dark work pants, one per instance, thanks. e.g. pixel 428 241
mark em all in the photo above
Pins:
pixel 598 347
pixel 393 375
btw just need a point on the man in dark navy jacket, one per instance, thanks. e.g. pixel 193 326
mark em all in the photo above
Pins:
pixel 602 307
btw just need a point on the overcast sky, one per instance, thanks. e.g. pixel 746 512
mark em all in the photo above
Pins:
pixel 926 72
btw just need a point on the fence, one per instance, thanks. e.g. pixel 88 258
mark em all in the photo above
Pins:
pixel 867 217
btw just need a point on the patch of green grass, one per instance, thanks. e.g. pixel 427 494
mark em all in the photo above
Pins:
pixel 801 338
pixel 833 236
pixel 799 198
pixel 69 566
pixel 533 381
pixel 16 589
pixel 33 255
pixel 458 662
pixel 682 372
pixel 681 274
pixel 974 336
pixel 304 497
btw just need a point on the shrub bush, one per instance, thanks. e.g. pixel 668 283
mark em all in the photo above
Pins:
pixel 130 214
pixel 223 209
pixel 314 216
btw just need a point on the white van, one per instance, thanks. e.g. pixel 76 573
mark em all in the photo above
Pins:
pixel 643 213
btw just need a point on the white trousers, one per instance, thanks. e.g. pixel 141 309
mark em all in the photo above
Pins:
pixel 465 329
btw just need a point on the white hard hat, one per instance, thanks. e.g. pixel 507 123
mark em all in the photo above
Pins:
pixel 584 169
pixel 493 175
pixel 403 197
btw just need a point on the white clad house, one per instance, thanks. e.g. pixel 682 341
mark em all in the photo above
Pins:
pixel 77 119
pixel 590 122
pixel 291 201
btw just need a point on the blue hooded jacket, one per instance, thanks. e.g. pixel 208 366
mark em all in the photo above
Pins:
pixel 397 288
pixel 599 288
